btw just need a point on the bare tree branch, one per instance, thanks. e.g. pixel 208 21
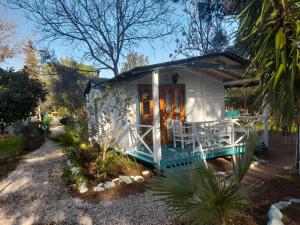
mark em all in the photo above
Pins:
pixel 108 28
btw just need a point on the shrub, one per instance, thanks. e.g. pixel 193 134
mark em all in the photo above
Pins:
pixel 106 167
pixel 199 197
pixel 65 120
pixel 33 135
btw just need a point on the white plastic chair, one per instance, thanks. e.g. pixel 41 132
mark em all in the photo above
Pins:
pixel 181 135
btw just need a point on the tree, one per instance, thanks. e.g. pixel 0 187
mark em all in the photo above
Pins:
pixel 7 48
pixel 112 109
pixel 31 59
pixel 272 35
pixel 69 82
pixel 19 96
pixel 134 60
pixel 204 31
pixel 108 29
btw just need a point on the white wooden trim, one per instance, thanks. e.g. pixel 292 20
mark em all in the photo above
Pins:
pixel 156 118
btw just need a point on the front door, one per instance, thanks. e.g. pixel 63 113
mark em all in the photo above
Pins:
pixel 171 103
pixel 171 107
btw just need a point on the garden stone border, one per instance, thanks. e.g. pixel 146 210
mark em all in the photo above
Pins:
pixel 121 179
pixel 275 215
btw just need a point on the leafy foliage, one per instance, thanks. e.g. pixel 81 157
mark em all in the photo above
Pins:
pixel 200 197
pixel 272 36
pixel 19 96
pixel 69 82
pixel 7 48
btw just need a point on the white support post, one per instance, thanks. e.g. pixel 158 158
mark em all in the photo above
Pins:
pixel 266 127
pixel 156 118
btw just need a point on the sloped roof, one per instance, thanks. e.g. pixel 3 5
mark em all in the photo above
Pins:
pixel 224 66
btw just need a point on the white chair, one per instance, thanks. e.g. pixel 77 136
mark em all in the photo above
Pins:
pixel 181 135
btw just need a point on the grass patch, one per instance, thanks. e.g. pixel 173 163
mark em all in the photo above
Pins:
pixel 11 147
pixel 8 167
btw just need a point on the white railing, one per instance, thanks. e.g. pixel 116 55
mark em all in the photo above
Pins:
pixel 227 133
pixel 252 124
pixel 138 134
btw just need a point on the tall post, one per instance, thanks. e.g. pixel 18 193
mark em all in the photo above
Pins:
pixel 156 118
pixel 265 121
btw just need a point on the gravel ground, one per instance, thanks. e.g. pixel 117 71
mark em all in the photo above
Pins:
pixel 35 194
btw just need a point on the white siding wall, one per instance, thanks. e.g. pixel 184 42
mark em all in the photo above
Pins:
pixel 204 100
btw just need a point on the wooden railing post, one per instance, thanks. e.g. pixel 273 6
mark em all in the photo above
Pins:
pixel 156 118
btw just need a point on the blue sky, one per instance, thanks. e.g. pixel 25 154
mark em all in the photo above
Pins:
pixel 26 31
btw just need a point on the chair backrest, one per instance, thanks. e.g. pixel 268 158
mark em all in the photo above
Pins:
pixel 177 127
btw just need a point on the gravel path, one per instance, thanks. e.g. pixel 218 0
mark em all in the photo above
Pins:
pixel 35 194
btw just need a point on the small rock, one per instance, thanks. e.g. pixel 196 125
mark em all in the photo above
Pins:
pixel 254 164
pixel 138 179
pixel 82 189
pixel 146 173
pixel 100 185
pixel 295 200
pixel 275 221
pixel 125 179
pixel 117 180
pixel 98 188
pixel 109 184
pixel 221 173
pixel 287 167
pixel 274 213
pixel 132 177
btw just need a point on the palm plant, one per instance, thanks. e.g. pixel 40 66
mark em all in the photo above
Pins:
pixel 200 197
pixel 272 35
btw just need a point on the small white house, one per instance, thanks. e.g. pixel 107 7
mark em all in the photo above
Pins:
pixel 190 91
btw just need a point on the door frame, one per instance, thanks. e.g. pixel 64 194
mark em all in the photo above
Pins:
pixel 142 87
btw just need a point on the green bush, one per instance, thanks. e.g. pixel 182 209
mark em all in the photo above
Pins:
pixel 107 167
pixel 65 120
pixel 197 196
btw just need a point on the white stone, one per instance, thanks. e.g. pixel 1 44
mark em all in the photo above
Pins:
pixel 125 179
pixel 220 173
pixel 138 179
pixel 295 200
pixel 274 213
pixel 100 185
pixel 74 171
pixel 254 164
pixel 98 188
pixel 109 184
pixel 82 188
pixel 146 173
pixel 281 205
pixel 287 167
pixel 132 177
pixel 275 221
pixel 116 179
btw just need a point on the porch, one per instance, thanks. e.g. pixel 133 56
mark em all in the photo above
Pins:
pixel 212 139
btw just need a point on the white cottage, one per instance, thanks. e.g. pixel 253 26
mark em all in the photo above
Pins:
pixel 176 109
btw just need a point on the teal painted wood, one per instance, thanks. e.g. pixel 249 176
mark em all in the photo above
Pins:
pixel 177 157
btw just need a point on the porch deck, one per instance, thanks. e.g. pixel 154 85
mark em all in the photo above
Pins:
pixel 177 157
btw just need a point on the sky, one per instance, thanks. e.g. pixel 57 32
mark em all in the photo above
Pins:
pixel 26 30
